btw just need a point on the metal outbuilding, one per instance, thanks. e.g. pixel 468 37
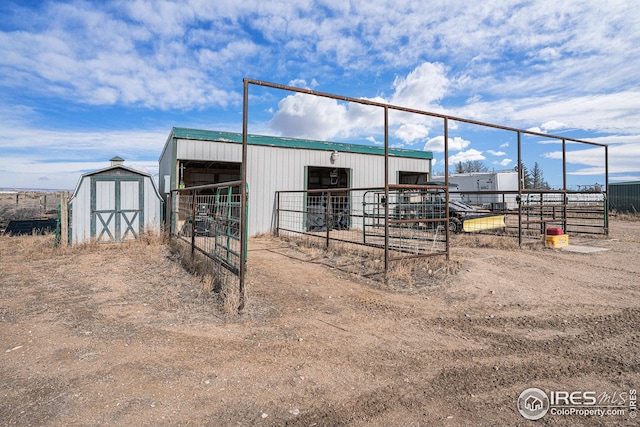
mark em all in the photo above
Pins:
pixel 114 204
pixel 625 196
pixel 194 157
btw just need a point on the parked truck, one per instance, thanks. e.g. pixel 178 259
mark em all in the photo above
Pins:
pixel 430 204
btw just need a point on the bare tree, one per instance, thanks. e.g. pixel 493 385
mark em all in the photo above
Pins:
pixel 471 166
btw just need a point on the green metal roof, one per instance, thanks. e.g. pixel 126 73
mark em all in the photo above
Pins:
pixel 274 141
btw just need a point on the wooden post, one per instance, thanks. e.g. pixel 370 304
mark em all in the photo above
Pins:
pixel 64 220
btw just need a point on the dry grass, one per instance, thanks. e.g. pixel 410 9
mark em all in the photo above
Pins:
pixel 215 285
pixel 475 240
pixel 626 216
pixel 33 247
pixel 368 263
pixel 214 277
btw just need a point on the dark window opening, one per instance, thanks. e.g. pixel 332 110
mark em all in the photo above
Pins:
pixel 413 178
pixel 192 173
pixel 320 178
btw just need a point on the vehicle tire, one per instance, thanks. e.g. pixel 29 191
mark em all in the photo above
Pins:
pixel 455 226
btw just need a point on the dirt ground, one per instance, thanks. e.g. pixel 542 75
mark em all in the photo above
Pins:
pixel 123 335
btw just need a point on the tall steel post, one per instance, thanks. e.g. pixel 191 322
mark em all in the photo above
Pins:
pixel 606 189
pixel 243 196
pixel 564 186
pixel 446 184
pixel 386 189
pixel 520 178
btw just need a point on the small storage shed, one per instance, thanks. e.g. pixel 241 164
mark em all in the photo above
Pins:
pixel 114 204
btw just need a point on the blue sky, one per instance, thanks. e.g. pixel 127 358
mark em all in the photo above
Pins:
pixel 82 81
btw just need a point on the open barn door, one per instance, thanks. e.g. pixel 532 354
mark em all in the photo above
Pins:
pixel 321 178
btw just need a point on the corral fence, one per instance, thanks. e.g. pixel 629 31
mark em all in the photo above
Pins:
pixel 293 211
pixel 405 221
pixel 530 212
pixel 412 221
pixel 212 220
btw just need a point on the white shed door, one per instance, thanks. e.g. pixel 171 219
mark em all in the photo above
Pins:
pixel 130 211
pixel 116 208
pixel 104 211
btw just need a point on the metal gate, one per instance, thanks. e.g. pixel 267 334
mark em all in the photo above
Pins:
pixel 212 219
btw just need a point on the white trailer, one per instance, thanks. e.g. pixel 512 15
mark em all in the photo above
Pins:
pixel 492 184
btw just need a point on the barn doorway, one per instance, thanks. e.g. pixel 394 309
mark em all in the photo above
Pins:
pixel 413 178
pixel 324 178
pixel 193 173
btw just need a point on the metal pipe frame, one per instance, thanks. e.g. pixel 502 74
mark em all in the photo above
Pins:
pixel 413 110
pixel 386 107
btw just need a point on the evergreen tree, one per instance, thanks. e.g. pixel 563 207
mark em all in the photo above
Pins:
pixel 525 176
pixel 536 176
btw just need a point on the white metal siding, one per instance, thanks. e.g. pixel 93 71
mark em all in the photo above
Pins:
pixel 152 207
pixel 270 169
pixel 208 151
pixel 80 209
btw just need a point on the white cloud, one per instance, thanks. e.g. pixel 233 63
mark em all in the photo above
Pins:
pixel 62 156
pixel 302 83
pixel 621 178
pixel 422 87
pixel 300 115
pixel 548 66
pixel 436 144
pixel 468 155
pixel 496 153
pixel 374 141
pixel 122 63
pixel 313 117
pixel 623 158
pixel 411 132
pixel 505 162
pixel 56 143
pixel 611 113
pixel 552 125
